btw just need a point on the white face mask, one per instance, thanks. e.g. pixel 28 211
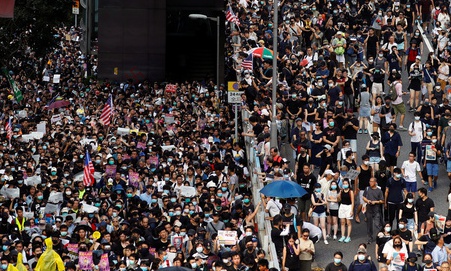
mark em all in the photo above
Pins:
pixel 417 118
pixel 366 162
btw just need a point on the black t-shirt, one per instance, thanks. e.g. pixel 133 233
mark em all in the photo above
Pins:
pixel 333 267
pixel 349 132
pixel 331 134
pixel 277 239
pixel 423 208
pixel 307 182
pixel 294 106
pixel 290 221
pixel 258 129
pixel 406 235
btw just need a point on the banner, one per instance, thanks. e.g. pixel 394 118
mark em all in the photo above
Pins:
pixel 85 260
pixel 16 90
pixel 7 8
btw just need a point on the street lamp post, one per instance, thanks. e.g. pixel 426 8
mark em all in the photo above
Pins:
pixel 273 142
pixel 218 27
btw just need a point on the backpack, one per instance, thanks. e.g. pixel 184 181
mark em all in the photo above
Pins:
pixel 392 91
pixel 283 130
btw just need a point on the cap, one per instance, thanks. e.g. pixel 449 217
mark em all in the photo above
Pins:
pixel 298 119
pixel 430 214
pixel 285 160
pixel 287 206
pixel 53 169
pixel 328 172
pixel 328 147
pixel 361 250
pixel 433 234
pixel 418 57
pixel 375 134
pixel 412 255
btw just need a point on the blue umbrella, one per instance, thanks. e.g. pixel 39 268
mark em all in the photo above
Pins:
pixel 283 189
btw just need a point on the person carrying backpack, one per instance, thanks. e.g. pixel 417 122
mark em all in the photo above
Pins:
pixel 411 54
pixel 362 263
pixel 411 263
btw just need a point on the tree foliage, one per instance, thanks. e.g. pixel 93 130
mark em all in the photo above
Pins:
pixel 32 27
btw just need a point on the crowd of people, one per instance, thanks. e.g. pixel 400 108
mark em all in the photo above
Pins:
pixel 172 187
pixel 346 68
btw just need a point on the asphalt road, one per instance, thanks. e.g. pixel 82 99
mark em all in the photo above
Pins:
pixel 324 253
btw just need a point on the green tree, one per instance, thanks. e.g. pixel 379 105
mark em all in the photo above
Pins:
pixel 32 27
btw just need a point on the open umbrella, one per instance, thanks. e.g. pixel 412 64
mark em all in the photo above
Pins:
pixel 283 189
pixel 261 52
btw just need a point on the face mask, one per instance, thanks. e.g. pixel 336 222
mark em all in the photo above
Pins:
pixel 119 206
pixel 5 248
pixel 199 249
pixel 401 226
pixel 143 268
pixel 345 186
pixel 166 191
pixel 166 179
pixel 324 104
pixel 224 189
pixel 194 265
pixel 40 197
pixel 333 186
pixel 173 200
pixel 171 213
pixel 294 96
pixel 387 229
pixel 20 182
pixel 429 133
pixel 320 84
pixel 178 212
pixel 194 203
pixel 417 118
pixel 207 215
pixel 366 162
pixel 246 200
pixel 361 257
pixel 434 140
pixel 122 269
pixel 63 233
pixel 398 176
pixel 381 55
pixel 111 162
pixel 425 261
pixel 154 200
pixel 248 233
pixel 337 261
pixel 114 214
pixel 340 103
pixel 4 266
pixel 331 124
pixel 318 190
pixel 219 194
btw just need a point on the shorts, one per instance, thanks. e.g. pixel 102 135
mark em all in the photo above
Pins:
pixel 432 169
pixel 426 17
pixel 391 160
pixel 341 58
pixel 375 160
pixel 400 108
pixel 333 213
pixel 361 197
pixel 410 224
pixel 304 205
pixel 448 166
pixel 377 88
pixel 364 112
pixel 353 143
pixel 345 211
pixel 411 187
pixel 320 215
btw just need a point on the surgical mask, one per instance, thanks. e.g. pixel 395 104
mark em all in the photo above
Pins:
pixel 366 162
pixel 173 200
pixel 345 186
pixel 219 194
pixel 337 261
pixel 191 212
pixel 429 133
pixel 333 186
pixel 381 55
pixel 154 200
pixel 224 189
pixel 340 103
pixel 194 265
pixel 111 162
pixel 66 175
pixel 68 193
pixel 129 195
pixel 166 179
pixel 417 118
pixel 324 104
pixel 361 257
pixel 401 226
pixel 320 84
pixel 434 140
pixel 331 124
pixel 5 248
pixel 246 200
pixel 143 268
pixel 171 213
pixel 97 204
pixel 40 197
pixel 178 212
pixel 4 266
pixel 63 233
pixel 199 249
pixel 119 206
pixel 398 176
pixel 410 200
pixel 194 203
pixel 318 190
pixel 20 182
pixel 114 214
pixel 182 233
pixel 387 229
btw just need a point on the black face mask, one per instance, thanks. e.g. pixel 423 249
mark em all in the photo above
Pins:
pixel 427 261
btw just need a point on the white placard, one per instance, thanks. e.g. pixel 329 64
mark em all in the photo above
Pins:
pixel 88 208
pixel 56 197
pixel 36 158
pixel 37 135
pixel 123 131
pixel 26 138
pixel 56 78
pixel 28 215
pixel 352 174
pixel 51 208
pixel 56 118
pixel 227 237
pixel 187 191
pixel 41 127
pixel 12 193
pixel 22 114
pixel 46 78
pixel 33 180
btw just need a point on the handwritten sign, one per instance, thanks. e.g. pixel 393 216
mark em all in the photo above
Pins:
pixel 33 180
pixel 187 191
pixel 56 78
pixel 55 118
pixel 12 193
pixel 227 237
pixel 56 197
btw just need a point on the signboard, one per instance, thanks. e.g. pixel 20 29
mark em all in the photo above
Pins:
pixel 227 237
pixel 76 7
pixel 233 95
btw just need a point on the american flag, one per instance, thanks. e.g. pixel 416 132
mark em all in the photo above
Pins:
pixel 9 129
pixel 231 17
pixel 88 171
pixel 107 111
pixel 247 63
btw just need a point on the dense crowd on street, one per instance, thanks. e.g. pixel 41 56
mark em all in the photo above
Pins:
pixel 139 175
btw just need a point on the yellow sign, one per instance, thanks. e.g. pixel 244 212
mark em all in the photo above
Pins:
pixel 233 86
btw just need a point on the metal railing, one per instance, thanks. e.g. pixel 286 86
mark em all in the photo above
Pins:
pixel 264 225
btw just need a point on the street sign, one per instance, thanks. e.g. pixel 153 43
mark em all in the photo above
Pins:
pixel 233 93
pixel 76 7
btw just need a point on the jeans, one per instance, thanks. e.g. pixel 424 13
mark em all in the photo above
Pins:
pixel 349 101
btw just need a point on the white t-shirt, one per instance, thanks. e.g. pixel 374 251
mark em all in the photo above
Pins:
pixel 273 207
pixel 410 170
pixel 418 128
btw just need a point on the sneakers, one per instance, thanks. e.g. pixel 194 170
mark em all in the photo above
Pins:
pixel 360 131
pixel 411 109
pixel 341 239
pixel 325 242
pixel 366 131
pixel 335 237
pixel 430 189
pixel 347 240
pixel 401 128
